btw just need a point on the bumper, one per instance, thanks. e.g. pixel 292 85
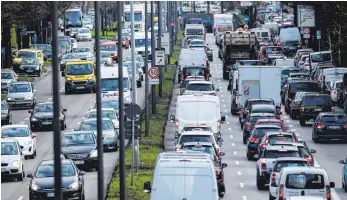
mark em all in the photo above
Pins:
pixel 70 194
pixel 110 144
pixel 42 123
pixel 247 133
pixel 326 134
pixel 20 104
pixel 252 149
pixel 29 71
pixel 10 171
pixel 83 87
pixel 87 162
pixel 84 38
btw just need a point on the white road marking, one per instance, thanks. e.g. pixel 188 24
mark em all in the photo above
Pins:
pixel 226 116
pixel 285 116
pixel 239 173
pixel 235 152
pixel 237 162
pixel 233 144
pixel 297 134
pixel 218 80
pixel 50 98
pixel 26 119
pixel 222 95
pixel 78 123
pixel 22 122
pixel 225 110
pixel 229 129
pixel 293 130
pixel 231 136
pixel 288 121
pixel 21 197
pixel 222 99
pixel 224 105
pixel 291 125
pixel 227 122
pixel 244 198
pixel 241 185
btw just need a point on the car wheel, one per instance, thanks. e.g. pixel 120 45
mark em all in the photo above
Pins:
pixel 271 197
pixel 249 157
pixel 39 73
pixel 62 126
pixel 260 184
pixel 225 76
pixel 344 187
pixel 139 84
pixel 302 122
pixel 21 176
pixel 315 138
pixel 244 140
pixel 67 91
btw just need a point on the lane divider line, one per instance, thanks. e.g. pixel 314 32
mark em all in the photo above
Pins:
pixel 22 122
pixel 242 185
pixel 233 144
pixel 237 162
pixel 244 198
pixel 235 152
pixel 293 129
pixel 231 136
pixel 21 197
pixel 239 173
pixel 26 119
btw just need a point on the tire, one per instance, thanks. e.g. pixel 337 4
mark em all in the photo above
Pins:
pixel 244 140
pixel 67 92
pixel 271 197
pixel 63 126
pixel 302 121
pixel 39 73
pixel 315 138
pixel 138 84
pixel 248 156
pixel 286 110
pixel 241 125
pixel 282 100
pixel 117 146
pixel 292 114
pixel 225 76
pixel 260 184
pixel 20 177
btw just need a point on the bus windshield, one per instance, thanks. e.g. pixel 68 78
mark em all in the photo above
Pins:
pixel 73 18
pixel 137 16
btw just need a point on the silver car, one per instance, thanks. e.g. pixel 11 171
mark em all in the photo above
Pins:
pixel 107 113
pixel 138 58
pixel 11 159
pixel 84 34
pixel 106 58
pixel 138 76
pixel 200 87
pixel 21 94
pixel 7 77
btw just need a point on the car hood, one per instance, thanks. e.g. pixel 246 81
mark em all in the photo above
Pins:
pixel 19 94
pixel 108 133
pixel 6 81
pixel 67 60
pixel 43 115
pixel 48 182
pixel 22 140
pixel 77 149
pixel 9 158
pixel 84 34
pixel 4 112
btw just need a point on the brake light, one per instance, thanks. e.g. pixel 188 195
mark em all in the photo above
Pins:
pixel 177 148
pixel 320 126
pixel 255 140
pixel 263 165
pixel 293 139
pixel 177 123
pixel 224 67
pixel 328 192
pixel 182 76
pixel 218 151
pixel 217 172
pixel 206 62
pixel 248 125
pixel 281 194
pixel 309 159
pixel 219 123
pixel 267 140
pixel 332 109
pixel 302 109
pixel 345 126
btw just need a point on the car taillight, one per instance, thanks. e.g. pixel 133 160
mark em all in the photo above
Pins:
pixel 218 151
pixel 345 126
pixel 254 140
pixel 224 67
pixel 263 165
pixel 273 180
pixel 248 125
pixel 320 126
pixel 182 76
pixel 177 123
pixel 219 123
pixel 281 194
pixel 309 159
pixel 240 113
pixel 217 172
pixel 302 109
pixel 177 148
pixel 332 109
pixel 328 192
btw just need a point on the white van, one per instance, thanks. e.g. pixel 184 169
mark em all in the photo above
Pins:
pixel 194 29
pixel 183 175
pixel 192 57
pixel 198 109
pixel 304 181
pixel 109 83
pixel 263 35
pixel 221 17
pixel 140 43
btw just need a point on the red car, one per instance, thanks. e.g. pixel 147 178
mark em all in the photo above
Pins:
pixel 272 51
pixel 271 122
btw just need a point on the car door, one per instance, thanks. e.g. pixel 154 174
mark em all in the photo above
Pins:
pixel 34 140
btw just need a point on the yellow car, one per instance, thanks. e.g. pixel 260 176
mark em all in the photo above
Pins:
pixel 79 76
pixel 29 54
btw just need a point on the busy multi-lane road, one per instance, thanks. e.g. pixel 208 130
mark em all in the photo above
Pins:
pixel 77 105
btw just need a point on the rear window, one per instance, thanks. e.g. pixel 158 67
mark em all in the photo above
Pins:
pixel 317 100
pixel 263 110
pixel 270 123
pixel 280 164
pixel 260 103
pixel 264 34
pixel 200 87
pixel 260 132
pixel 194 31
pixel 280 154
pixel 280 138
pixel 197 129
pixel 287 72
pixel 303 76
pixel 271 49
pixel 336 119
pixel 301 87
pixel 194 71
pixel 196 138
pixel 224 27
pixel 256 118
pixel 305 181
pixel 322 57
pixel 253 63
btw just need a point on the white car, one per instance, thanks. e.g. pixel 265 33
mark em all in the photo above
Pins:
pixel 138 73
pixel 106 58
pixel 84 34
pixel 200 87
pixel 11 159
pixel 106 113
pixel 74 44
pixel 88 24
pixel 24 136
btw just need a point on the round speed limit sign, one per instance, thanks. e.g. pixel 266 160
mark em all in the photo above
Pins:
pixel 153 72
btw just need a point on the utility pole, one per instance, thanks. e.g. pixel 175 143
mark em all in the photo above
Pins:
pixel 208 6
pixel 121 106
pixel 222 7
pixel 160 31
pixel 56 104
pixel 146 73
pixel 193 6
pixel 340 62
pixel 154 98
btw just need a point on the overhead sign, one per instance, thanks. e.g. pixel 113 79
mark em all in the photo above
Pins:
pixel 306 30
pixel 160 57
pixel 306 16
pixel 318 34
pixel 153 75
pixel 165 42
pixel 246 3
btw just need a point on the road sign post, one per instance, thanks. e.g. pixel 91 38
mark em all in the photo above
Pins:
pixel 153 74
pixel 319 36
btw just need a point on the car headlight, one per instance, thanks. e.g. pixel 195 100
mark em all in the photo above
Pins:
pixel 73 186
pixel 34 186
pixel 61 117
pixel 94 153
pixel 9 99
pixel 69 79
pixel 28 98
pixel 34 119
pixel 28 142
pixel 90 78
pixel 15 163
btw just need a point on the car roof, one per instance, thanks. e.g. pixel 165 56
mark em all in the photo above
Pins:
pixel 76 132
pixel 197 133
pixel 267 126
pixel 262 115
pixel 303 81
pixel 15 126
pixel 51 161
pixel 197 143
pixel 295 170
pixel 20 82
pixel 270 120
pixel 8 139
pixel 259 100
pixel 256 106
pixel 200 82
pixel 284 147
pixel 291 159
pixel 7 70
pixel 281 133
pixel 317 95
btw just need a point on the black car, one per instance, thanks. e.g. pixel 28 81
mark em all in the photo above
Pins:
pixel 6 114
pixel 42 116
pixel 256 135
pixel 42 181
pixel 298 86
pixel 329 126
pixel 284 87
pixel 248 104
pixel 294 106
pixel 80 147
pixel 264 109
pixel 313 104
pixel 250 121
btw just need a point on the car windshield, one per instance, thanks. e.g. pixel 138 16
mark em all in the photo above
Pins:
pixel 9 148
pixel 79 69
pixel 17 88
pixel 280 154
pixel 300 95
pixel 281 164
pixel 91 125
pixel 287 72
pixel 47 170
pixel 105 54
pixel 71 56
pixel 273 49
pixel 15 132
pixel 321 57
pixel 196 138
pixel 196 43
pixel 291 43
pixel 82 30
pixel 7 75
pixel 29 62
pixel 256 118
pixel 43 108
pixel 205 149
pixel 112 84
pixel 296 87
pixel 105 114
pixel 195 31
pixel 305 181
pixel 194 71
pixel 200 87
pixel 317 100
pixel 110 104
pixel 78 139
pixel 341 119
pixel 270 123
pixel 302 76
pixel 26 54
pixel 137 16
pixel 273 139
pixel 142 42
pixel 108 48
pixel 74 30
pixel 260 132
pixel 81 50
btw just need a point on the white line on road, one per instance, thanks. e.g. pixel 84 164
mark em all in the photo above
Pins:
pixel 285 117
pixel 222 99
pixel 241 185
pixel 233 144
pixel 50 98
pixel 293 129
pixel 224 105
pixel 218 80
pixel 225 110
pixel 244 198
pixel 235 152
pixel 229 129
pixel 291 125
pixel 227 122
pixel 226 116
pixel 22 122
pixel 21 197
pixel 231 136
pixel 222 95
pixel 288 121
pixel 239 173
pixel 78 123
pixel 26 119
pixel 237 162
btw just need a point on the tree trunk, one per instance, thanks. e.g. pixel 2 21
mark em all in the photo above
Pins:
pixel 6 43
pixel 19 41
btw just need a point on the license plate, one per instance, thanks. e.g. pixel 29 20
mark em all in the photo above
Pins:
pixel 46 123
pixel 318 109
pixel 29 70
pixel 3 169
pixel 50 194
pixel 78 162
pixel 19 102
pixel 334 127
pixel 80 87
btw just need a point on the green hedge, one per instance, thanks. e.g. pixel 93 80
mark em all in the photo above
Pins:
pixel 150 146
pixel 109 35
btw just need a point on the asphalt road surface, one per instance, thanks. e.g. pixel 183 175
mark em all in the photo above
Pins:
pixel 77 105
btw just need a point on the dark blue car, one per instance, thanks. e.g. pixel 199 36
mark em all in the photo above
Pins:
pixel 330 125
pixel 344 174
pixel 286 70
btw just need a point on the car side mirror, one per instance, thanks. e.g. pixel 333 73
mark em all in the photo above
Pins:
pixel 221 154
pixel 64 109
pixel 29 111
pixel 223 118
pixel 220 140
pixel 33 135
pixel 82 173
pixel 63 73
pixel 172 118
pixel 332 185
pixel 224 165
pixel 313 151
pixel 229 87
pixel 147 187
pixel 30 176
pixel 342 162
